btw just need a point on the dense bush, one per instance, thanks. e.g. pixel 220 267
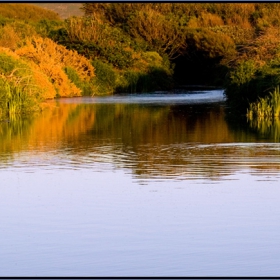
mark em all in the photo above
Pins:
pixel 51 58
pixel 106 81
pixel 87 87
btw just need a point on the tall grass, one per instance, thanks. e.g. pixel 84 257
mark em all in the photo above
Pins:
pixel 16 98
pixel 266 107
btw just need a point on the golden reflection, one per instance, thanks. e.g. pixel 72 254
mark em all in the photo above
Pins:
pixel 48 130
pixel 61 123
pixel 268 127
pixel 188 141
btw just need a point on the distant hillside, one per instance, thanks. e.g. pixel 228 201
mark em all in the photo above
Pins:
pixel 64 10
pixel 26 12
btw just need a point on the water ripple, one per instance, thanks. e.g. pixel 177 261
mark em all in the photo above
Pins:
pixel 177 161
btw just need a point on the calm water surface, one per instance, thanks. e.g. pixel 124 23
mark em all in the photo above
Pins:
pixel 150 185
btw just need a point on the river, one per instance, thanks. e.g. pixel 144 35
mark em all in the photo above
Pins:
pixel 139 185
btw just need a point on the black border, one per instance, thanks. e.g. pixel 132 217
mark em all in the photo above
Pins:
pixel 137 277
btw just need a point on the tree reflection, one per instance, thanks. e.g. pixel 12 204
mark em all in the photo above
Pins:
pixel 182 141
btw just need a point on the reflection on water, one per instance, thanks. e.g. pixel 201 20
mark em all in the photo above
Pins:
pixel 178 140
pixel 269 128
pixel 158 185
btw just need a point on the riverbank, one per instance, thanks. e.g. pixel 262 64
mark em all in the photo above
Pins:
pixel 129 48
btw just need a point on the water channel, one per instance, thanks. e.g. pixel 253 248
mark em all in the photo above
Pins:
pixel 139 185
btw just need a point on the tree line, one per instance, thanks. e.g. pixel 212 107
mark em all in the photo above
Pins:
pixel 140 47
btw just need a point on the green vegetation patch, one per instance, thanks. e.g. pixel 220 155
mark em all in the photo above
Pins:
pixel 18 94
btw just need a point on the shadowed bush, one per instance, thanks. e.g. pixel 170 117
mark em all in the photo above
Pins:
pixel 87 87
pixel 106 78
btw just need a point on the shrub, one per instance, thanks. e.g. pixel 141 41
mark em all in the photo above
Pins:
pixel 164 34
pixel 9 38
pixel 106 78
pixel 87 87
pixel 14 34
pixel 96 39
pixel 19 91
pixel 243 73
pixel 210 44
pixel 11 65
pixel 43 49
pixel 46 27
pixel 16 97
pixel 52 58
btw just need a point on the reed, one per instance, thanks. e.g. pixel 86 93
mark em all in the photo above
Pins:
pixel 16 97
pixel 265 108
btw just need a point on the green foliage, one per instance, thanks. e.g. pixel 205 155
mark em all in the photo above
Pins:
pixel 95 39
pixel 267 127
pixel 10 66
pixel 106 78
pixel 87 87
pixel 73 75
pixel 248 82
pixel 15 98
pixel 240 90
pixel 164 34
pixel 4 20
pixel 18 94
pixel 109 80
pixel 132 78
pixel 243 73
pixel 156 78
pixel 46 27
pixel 209 44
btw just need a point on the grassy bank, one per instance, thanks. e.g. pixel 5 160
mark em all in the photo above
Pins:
pixel 265 108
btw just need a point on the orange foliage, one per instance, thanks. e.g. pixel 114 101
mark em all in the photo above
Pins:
pixel 210 20
pixel 40 80
pixel 265 47
pixel 9 37
pixel 43 49
pixel 51 58
pixel 163 33
pixel 60 80
pixel 9 52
